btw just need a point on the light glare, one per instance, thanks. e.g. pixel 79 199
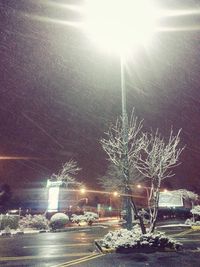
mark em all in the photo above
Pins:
pixel 82 190
pixel 115 194
pixel 118 25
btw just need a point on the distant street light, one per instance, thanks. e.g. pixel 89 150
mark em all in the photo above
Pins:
pixel 82 190
pixel 118 26
pixel 147 191
pixel 115 194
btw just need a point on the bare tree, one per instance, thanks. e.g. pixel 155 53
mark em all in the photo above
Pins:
pixel 123 155
pixel 155 161
pixel 113 144
pixel 67 174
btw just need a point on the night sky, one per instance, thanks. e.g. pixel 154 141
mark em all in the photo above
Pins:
pixel 59 93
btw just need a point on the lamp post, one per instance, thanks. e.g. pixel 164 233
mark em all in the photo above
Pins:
pixel 117 26
pixel 127 199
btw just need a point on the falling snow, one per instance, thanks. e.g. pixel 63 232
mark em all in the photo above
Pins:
pixel 59 93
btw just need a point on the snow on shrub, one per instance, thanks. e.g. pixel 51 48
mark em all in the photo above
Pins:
pixel 77 218
pixel 40 222
pixel 88 217
pixel 196 213
pixel 10 221
pixel 25 222
pixel 124 238
pixel 196 210
pixel 58 221
pixel 6 231
pixel 36 221
pixel 191 222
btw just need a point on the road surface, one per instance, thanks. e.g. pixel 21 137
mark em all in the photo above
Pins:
pixel 77 249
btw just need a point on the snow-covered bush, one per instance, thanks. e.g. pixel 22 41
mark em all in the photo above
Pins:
pixel 10 221
pixel 25 222
pixel 191 222
pixel 196 210
pixel 196 215
pixel 124 239
pixel 120 237
pixel 36 221
pixel 40 222
pixel 6 231
pixel 88 217
pixel 77 218
pixel 58 221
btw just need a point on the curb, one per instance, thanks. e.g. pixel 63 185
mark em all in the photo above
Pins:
pixel 70 229
pixel 163 227
pixel 79 228
pixel 127 251
pixel 102 249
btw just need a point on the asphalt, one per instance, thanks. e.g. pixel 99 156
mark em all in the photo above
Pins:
pixel 76 248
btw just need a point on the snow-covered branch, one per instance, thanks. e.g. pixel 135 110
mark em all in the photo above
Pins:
pixel 114 143
pixel 157 156
pixel 67 173
pixel 155 161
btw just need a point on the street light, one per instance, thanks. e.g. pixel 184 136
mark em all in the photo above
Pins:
pixel 82 190
pixel 115 194
pixel 119 26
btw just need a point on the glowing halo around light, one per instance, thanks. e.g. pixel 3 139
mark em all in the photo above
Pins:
pixel 117 25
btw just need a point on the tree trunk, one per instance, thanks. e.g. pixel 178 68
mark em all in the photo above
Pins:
pixel 143 229
pixel 155 196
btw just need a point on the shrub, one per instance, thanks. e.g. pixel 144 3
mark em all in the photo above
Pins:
pixel 10 221
pixel 40 222
pixel 88 217
pixel 6 231
pixel 36 221
pixel 25 222
pixel 191 222
pixel 77 218
pixel 196 210
pixel 58 221
pixel 125 239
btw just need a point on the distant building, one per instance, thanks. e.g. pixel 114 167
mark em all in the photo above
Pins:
pixel 170 199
